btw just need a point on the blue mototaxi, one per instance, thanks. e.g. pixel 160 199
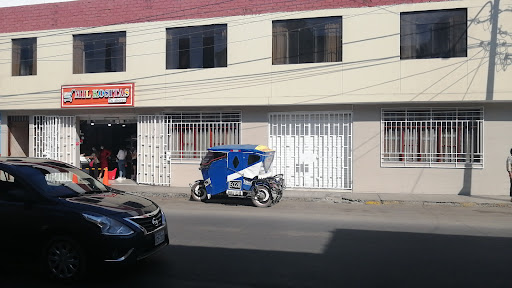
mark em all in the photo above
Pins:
pixel 239 171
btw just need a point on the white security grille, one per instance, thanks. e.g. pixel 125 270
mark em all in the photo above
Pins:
pixel 313 150
pixel 153 154
pixel 432 137
pixel 55 138
pixel 194 132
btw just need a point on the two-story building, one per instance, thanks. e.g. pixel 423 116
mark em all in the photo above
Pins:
pixel 408 96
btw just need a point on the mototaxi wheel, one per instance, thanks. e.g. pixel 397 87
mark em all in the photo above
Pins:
pixel 198 192
pixel 261 197
pixel 64 259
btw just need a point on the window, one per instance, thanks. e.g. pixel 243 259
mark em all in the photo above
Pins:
pixel 311 40
pixel 11 190
pixel 197 47
pixel 433 34
pixel 212 157
pixel 96 53
pixel 24 57
pixel 253 159
pixel 194 132
pixel 450 137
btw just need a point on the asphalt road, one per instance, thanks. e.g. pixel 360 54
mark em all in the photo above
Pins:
pixel 317 244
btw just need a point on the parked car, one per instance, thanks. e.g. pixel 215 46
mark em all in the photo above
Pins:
pixel 69 220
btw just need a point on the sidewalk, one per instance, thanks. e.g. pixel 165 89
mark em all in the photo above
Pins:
pixel 337 197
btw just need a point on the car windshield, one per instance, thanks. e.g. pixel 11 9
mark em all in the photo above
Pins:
pixel 53 178
pixel 74 180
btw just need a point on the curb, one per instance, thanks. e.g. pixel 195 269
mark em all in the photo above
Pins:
pixel 343 200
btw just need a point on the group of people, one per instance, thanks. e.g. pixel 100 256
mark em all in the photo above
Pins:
pixel 99 161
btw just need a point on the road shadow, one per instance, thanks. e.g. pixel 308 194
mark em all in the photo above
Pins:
pixel 352 258
pixel 228 201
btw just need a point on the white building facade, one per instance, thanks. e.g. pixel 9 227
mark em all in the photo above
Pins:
pixel 402 97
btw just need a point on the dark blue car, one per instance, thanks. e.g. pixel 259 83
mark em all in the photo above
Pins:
pixel 54 210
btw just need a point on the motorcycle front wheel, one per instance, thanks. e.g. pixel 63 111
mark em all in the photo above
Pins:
pixel 262 197
pixel 198 192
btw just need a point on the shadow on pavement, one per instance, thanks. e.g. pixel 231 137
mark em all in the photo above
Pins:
pixel 353 258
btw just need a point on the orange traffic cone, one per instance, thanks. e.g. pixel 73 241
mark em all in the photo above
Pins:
pixel 105 178
pixel 75 179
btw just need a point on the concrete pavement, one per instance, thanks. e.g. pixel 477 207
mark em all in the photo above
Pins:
pixel 313 195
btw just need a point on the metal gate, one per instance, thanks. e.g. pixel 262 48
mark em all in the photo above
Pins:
pixel 313 150
pixel 55 138
pixel 153 150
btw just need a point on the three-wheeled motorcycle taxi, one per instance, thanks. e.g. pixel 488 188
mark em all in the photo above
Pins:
pixel 239 171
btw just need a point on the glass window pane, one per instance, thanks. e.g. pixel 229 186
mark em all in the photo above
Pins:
pixel 433 34
pixel 197 47
pixel 311 40
pixel 184 53
pixel 24 57
pixel 96 53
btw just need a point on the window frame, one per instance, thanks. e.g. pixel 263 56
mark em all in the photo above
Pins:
pixel 194 47
pixel 84 65
pixel 458 38
pixel 291 28
pixel 188 132
pixel 19 47
pixel 420 137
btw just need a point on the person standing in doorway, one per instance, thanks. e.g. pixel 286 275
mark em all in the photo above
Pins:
pixel 121 163
pixel 94 161
pixel 104 155
pixel 509 169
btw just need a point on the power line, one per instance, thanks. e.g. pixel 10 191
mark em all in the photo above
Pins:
pixel 249 75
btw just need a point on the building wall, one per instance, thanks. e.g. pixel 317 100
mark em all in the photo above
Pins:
pixel 371 71
pixel 370 177
pixel 371 76
pixel 89 13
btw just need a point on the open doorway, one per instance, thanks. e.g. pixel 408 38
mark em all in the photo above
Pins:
pixel 18 143
pixel 112 135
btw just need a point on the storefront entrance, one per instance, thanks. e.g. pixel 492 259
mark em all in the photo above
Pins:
pixel 113 134
pixel 147 136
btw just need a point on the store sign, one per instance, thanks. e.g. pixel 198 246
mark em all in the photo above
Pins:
pixel 103 95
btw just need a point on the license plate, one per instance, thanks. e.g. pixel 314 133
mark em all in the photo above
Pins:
pixel 236 185
pixel 159 236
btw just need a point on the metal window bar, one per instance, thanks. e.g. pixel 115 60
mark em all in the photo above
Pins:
pixel 193 133
pixel 433 137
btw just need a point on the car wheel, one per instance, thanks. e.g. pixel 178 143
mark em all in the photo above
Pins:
pixel 262 197
pixel 198 192
pixel 64 259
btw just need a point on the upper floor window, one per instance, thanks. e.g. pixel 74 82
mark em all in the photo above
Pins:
pixel 24 57
pixel 197 47
pixel 311 40
pixel 103 52
pixel 433 34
